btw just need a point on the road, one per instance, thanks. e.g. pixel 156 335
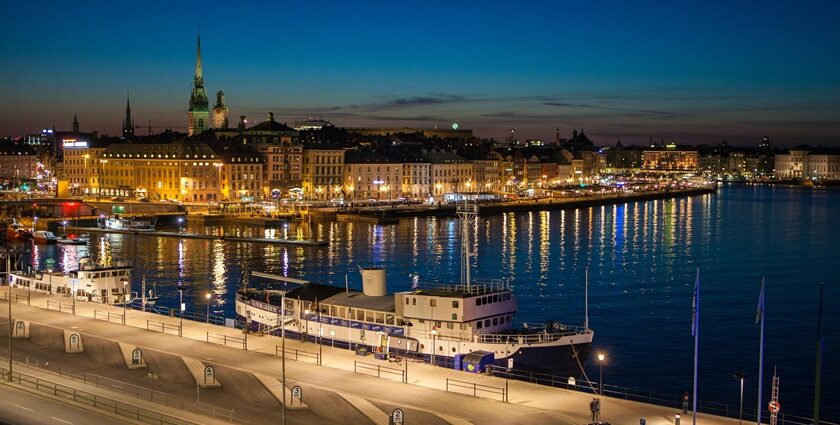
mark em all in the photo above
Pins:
pixel 19 407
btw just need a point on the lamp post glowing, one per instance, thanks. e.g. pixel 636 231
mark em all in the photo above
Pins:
pixel 434 334
pixel 601 358
pixel 125 298
pixel 208 306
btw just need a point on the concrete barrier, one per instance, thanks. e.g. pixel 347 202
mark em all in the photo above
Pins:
pixel 21 329
pixel 73 341
pixel 276 389
pixel 205 375
pixel 132 356
pixel 367 408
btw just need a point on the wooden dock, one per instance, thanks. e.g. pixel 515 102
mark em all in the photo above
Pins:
pixel 369 218
pixel 185 235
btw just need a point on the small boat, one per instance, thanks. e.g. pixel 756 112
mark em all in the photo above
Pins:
pixel 72 239
pixel 17 231
pixel 150 299
pixel 118 223
pixel 90 282
pixel 44 236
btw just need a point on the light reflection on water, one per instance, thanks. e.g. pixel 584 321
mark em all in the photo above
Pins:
pixel 641 256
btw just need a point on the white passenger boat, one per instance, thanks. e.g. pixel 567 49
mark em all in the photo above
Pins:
pixel 117 223
pixel 465 326
pixel 89 283
pixel 44 236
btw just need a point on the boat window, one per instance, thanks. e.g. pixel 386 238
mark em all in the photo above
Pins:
pixel 369 316
pixel 478 301
pixel 450 325
pixel 406 300
pixel 421 321
pixel 454 304
pixel 463 326
pixel 495 321
pixel 487 323
pixel 380 317
pixel 389 319
pixel 437 323
pixel 495 298
pixel 432 302
pixel 478 324
pixel 414 301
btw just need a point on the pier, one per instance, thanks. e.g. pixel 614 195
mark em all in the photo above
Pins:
pixel 184 235
pixel 337 391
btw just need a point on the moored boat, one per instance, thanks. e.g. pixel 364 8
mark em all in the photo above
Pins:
pixel 90 282
pixel 44 236
pixel 465 326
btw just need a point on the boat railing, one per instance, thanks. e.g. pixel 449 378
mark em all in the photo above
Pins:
pixel 533 337
pixel 477 287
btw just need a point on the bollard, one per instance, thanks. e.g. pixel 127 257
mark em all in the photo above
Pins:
pixel 677 420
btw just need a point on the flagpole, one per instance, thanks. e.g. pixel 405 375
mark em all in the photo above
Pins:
pixel 760 351
pixel 696 338
pixel 818 373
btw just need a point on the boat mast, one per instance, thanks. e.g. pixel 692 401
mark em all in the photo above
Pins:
pixel 467 212
pixel 586 302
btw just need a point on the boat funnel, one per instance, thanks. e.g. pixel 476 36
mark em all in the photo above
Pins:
pixel 373 282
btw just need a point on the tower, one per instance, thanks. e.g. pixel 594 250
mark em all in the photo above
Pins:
pixel 128 123
pixel 75 124
pixel 199 113
pixel 220 111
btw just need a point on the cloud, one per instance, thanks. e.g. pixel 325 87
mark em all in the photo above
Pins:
pixel 625 111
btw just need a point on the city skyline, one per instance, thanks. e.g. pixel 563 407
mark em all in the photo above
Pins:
pixel 694 76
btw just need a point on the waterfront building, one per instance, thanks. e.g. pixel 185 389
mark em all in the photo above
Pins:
pixel 486 169
pixel 198 113
pixel 82 162
pixel 323 172
pixel 619 157
pixel 416 183
pixel 181 170
pixel 449 173
pixel 670 159
pixel 804 162
pixel 18 163
pixel 371 175
pixel 240 173
pixel 283 153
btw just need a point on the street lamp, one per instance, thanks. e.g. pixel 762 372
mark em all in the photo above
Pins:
pixel 741 376
pixel 601 358
pixel 207 295
pixel 64 228
pixel 434 334
pixel 320 339
pixel 125 298
pixel 8 254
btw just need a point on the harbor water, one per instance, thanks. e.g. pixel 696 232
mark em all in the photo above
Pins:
pixel 642 259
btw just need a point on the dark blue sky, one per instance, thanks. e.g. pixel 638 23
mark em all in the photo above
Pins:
pixel 735 70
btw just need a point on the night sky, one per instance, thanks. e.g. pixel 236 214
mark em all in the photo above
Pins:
pixel 700 73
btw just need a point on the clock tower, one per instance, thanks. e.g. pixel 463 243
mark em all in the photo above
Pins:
pixel 220 112
pixel 199 113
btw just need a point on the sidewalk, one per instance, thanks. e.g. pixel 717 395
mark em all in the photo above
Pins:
pixel 104 393
pixel 525 399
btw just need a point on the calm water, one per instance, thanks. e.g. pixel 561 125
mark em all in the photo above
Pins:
pixel 642 259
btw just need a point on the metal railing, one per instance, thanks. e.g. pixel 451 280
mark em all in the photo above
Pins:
pixel 532 337
pixel 139 392
pixel 225 340
pixel 17 298
pixel 53 305
pixel 107 316
pixel 98 402
pixel 162 327
pixel 295 354
pixel 475 389
pixel 378 370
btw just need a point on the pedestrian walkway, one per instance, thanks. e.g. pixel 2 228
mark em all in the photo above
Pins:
pixel 531 400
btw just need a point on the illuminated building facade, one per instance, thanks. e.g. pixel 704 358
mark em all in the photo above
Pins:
pixel 323 171
pixel 370 175
pixel 283 155
pixel 670 159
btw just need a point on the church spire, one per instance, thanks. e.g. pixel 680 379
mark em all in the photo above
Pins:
pixel 198 73
pixel 75 124
pixel 128 123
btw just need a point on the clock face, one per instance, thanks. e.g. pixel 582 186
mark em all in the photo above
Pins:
pixel 218 110
pixel 454 125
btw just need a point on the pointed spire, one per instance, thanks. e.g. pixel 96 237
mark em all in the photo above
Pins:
pixel 128 123
pixel 198 57
pixel 75 124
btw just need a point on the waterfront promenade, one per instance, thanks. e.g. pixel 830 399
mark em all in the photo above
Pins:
pixel 424 392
